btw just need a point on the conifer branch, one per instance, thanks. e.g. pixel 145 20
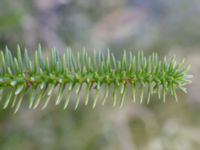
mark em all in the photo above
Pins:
pixel 38 77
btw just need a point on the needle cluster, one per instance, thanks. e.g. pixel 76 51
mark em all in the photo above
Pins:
pixel 37 78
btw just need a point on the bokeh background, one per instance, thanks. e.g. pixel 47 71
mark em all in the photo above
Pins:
pixel 169 27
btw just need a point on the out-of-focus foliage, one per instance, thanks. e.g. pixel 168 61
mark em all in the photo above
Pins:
pixel 168 27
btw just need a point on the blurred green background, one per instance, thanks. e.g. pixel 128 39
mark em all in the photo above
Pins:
pixel 168 27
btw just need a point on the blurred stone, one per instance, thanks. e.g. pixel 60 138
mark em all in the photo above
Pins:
pixel 120 26
pixel 193 89
pixel 45 5
pixel 103 4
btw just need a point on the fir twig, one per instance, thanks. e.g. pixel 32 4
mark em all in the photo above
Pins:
pixel 39 77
